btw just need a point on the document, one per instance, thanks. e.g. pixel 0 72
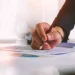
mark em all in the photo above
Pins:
pixel 52 52
pixel 27 51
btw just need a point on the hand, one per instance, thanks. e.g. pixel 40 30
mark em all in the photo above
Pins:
pixel 47 41
pixel 39 35
pixel 53 38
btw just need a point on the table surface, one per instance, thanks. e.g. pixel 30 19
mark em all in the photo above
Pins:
pixel 25 66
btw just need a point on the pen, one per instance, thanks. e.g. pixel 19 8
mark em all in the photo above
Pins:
pixel 49 29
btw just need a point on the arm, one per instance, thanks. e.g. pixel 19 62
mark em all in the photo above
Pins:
pixel 66 18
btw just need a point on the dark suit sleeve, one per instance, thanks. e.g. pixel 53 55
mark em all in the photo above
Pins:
pixel 66 18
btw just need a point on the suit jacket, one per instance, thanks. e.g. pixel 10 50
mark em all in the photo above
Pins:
pixel 66 18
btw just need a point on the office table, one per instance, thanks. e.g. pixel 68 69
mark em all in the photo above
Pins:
pixel 14 65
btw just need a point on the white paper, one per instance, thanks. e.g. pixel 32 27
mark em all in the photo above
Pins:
pixel 54 51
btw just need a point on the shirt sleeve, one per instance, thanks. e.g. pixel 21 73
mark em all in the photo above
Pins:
pixel 66 18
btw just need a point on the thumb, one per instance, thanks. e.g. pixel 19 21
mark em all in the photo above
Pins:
pixel 50 37
pixel 53 35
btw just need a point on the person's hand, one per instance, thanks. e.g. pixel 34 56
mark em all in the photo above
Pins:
pixel 54 38
pixel 39 35
pixel 41 40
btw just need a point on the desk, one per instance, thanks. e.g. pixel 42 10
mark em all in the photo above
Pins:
pixel 25 66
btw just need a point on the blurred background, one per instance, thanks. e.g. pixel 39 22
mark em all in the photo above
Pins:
pixel 18 17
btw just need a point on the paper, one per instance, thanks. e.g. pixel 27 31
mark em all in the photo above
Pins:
pixel 28 52
pixel 55 51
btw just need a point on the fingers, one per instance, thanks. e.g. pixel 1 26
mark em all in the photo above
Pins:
pixel 53 39
pixel 35 45
pixel 41 29
pixel 36 37
pixel 53 35
pixel 36 40
pixel 41 32
pixel 46 46
pixel 39 35
pixel 47 41
pixel 53 44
